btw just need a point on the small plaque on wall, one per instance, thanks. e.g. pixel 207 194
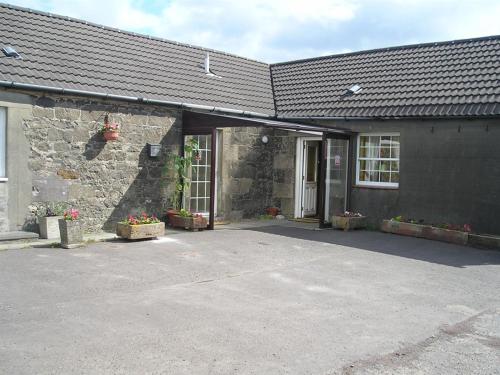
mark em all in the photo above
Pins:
pixel 154 150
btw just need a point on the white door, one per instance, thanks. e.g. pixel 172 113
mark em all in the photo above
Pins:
pixel 310 178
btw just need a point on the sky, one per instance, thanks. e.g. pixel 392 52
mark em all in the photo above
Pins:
pixel 283 30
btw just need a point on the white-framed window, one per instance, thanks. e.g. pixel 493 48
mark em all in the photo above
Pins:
pixel 3 143
pixel 378 159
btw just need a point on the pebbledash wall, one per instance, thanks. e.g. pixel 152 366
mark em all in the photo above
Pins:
pixel 449 172
pixel 55 154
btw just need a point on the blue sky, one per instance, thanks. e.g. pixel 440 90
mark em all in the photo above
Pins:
pixel 281 30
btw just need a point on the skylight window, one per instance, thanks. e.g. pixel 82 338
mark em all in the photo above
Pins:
pixel 11 52
pixel 355 89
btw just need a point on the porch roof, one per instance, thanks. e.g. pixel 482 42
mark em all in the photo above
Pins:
pixel 199 123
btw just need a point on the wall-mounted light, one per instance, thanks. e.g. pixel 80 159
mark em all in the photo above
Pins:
pixel 154 150
pixel 265 139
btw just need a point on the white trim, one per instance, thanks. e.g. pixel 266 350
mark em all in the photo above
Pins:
pixel 4 179
pixel 299 172
pixel 373 183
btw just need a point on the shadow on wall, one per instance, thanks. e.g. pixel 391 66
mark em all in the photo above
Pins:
pixel 249 184
pixel 152 188
pixel 401 246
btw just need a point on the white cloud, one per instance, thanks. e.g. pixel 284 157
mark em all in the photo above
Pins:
pixel 278 30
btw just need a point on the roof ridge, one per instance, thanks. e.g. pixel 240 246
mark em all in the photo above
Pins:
pixel 392 48
pixel 121 31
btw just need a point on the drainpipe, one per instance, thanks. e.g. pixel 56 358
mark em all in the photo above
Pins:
pixel 181 105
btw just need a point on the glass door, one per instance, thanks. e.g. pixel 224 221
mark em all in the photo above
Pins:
pixel 336 153
pixel 197 198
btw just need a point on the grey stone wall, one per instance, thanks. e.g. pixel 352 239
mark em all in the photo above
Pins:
pixel 70 161
pixel 449 173
pixel 255 175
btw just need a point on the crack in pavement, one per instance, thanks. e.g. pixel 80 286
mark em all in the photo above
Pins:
pixel 412 352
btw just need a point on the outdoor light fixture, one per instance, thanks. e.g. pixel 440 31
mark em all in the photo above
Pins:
pixel 265 139
pixel 154 150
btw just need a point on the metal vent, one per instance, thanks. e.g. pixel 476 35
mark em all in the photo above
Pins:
pixel 11 52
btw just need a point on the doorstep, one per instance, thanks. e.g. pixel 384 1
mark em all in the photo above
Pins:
pixel 17 235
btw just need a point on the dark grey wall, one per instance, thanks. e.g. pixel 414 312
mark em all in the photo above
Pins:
pixel 450 173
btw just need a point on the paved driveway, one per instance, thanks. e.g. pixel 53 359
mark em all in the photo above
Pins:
pixel 264 300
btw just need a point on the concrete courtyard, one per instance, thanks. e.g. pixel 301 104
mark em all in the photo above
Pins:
pixel 254 299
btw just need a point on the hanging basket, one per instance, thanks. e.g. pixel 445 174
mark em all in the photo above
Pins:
pixel 110 136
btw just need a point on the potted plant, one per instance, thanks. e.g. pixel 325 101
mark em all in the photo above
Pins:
pixel 109 130
pixel 48 215
pixel 182 165
pixel 140 227
pixel 70 229
pixel 188 220
pixel 273 211
pixel 349 220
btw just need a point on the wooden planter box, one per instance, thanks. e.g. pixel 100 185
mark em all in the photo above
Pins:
pixel 405 229
pixel 141 231
pixel 425 231
pixel 71 233
pixel 348 223
pixel 484 241
pixel 49 226
pixel 445 235
pixel 190 223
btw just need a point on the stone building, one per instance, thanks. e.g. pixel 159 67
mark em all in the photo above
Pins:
pixel 411 130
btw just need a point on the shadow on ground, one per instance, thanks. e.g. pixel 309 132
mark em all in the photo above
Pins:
pixel 407 247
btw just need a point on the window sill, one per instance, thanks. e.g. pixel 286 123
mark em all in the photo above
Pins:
pixel 4 179
pixel 381 187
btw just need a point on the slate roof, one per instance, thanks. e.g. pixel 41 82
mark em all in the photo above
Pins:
pixel 447 79
pixel 73 54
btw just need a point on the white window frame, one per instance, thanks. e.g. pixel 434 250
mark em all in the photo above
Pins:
pixel 374 183
pixel 3 140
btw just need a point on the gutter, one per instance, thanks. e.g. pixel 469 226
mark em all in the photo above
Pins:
pixel 133 99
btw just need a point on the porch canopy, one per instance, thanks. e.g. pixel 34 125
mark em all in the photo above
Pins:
pixel 204 123
pixel 198 123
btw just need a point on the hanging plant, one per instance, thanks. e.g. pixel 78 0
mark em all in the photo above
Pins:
pixel 109 130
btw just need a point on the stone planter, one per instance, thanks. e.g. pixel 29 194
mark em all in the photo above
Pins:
pixel 347 223
pixel 484 241
pixel 71 233
pixel 405 229
pixel 190 223
pixel 49 226
pixel 425 231
pixel 445 235
pixel 141 231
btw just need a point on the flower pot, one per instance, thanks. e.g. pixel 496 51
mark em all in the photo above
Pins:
pixel 49 226
pixel 71 233
pixel 171 213
pixel 140 231
pixel 189 223
pixel 273 211
pixel 110 136
pixel 445 235
pixel 348 222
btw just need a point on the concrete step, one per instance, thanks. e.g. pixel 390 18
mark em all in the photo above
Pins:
pixel 17 235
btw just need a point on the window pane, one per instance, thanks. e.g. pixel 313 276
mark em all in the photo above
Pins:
pixel 395 177
pixel 394 165
pixel 3 124
pixel 311 164
pixel 363 152
pixel 385 152
pixel 385 166
pixel 363 141
pixel 373 152
pixel 374 141
pixel 385 176
pixel 395 152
